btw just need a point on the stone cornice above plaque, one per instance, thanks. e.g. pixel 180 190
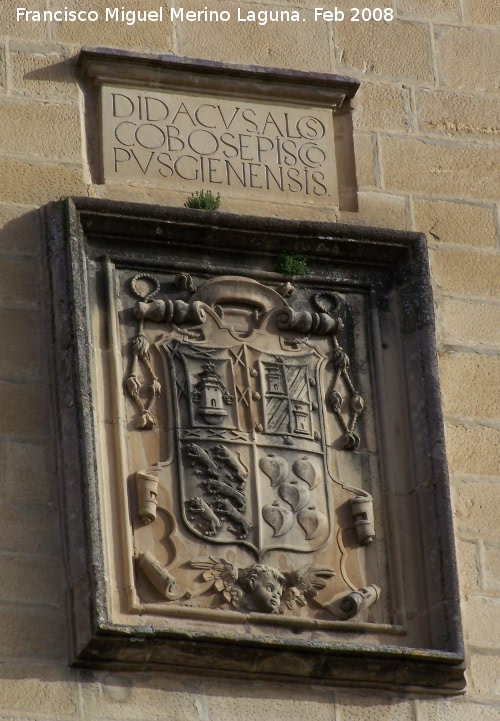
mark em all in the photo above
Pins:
pixel 268 134
pixel 124 67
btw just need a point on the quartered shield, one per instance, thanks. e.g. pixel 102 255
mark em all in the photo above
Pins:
pixel 249 432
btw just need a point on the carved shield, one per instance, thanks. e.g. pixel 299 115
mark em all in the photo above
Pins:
pixel 250 441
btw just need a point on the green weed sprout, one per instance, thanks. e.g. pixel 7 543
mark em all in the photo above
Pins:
pixel 287 264
pixel 203 200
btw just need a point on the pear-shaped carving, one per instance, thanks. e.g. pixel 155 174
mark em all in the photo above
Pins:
pixel 304 469
pixel 296 494
pixel 313 523
pixel 279 518
pixel 275 467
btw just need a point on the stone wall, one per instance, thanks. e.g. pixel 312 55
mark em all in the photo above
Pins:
pixel 427 122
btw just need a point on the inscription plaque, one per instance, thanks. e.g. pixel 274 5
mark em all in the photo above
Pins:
pixel 259 455
pixel 173 139
pixel 246 133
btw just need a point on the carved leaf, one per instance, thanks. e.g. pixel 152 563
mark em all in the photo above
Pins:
pixel 296 494
pixel 313 523
pixel 304 469
pixel 279 518
pixel 275 467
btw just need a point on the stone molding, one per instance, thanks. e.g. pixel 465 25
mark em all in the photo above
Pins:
pixel 112 266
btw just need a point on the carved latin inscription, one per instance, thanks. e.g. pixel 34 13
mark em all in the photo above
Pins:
pixel 237 147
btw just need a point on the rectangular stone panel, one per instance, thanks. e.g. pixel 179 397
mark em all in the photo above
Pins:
pixel 274 135
pixel 249 410
pixel 274 152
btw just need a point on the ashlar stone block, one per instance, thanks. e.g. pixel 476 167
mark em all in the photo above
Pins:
pixel 114 29
pixel 382 107
pixel 485 671
pixel 456 710
pixel 468 564
pixel 38 688
pixel 459 223
pixel 42 74
pixel 478 49
pixel 472 323
pixel 438 167
pixel 394 49
pixel 24 181
pixel 251 36
pixel 473 449
pixel 21 230
pixel 458 114
pixel 481 12
pixel 482 614
pixel 471 385
pixel 23 28
pixel 424 9
pixel 477 509
pixel 467 272
pixel 492 566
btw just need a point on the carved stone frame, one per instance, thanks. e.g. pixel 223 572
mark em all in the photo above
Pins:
pixel 392 269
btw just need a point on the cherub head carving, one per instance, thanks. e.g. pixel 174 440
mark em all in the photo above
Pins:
pixel 263 587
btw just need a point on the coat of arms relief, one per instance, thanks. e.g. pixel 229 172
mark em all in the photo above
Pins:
pixel 251 462
pixel 247 394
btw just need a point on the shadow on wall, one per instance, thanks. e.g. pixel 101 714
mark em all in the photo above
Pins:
pixel 21 234
pixel 61 72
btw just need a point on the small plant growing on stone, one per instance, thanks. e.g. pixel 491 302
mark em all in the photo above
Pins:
pixel 287 264
pixel 203 200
